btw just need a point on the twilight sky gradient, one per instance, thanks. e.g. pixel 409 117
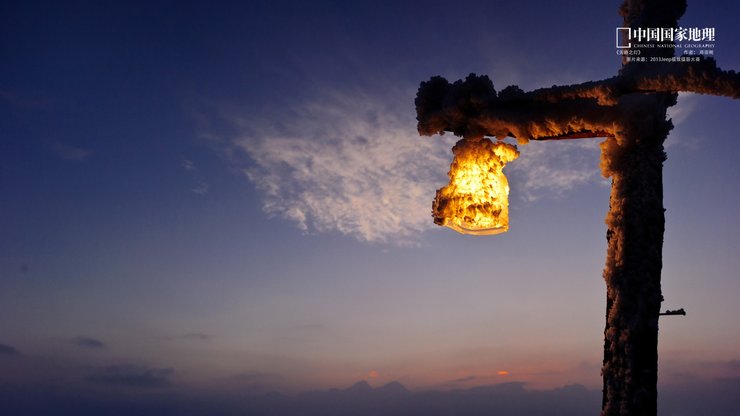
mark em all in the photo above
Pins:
pixel 233 197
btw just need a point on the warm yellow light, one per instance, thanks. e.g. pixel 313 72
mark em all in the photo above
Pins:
pixel 476 201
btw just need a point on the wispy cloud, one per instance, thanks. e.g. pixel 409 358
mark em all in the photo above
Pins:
pixel 88 342
pixel 554 168
pixel 679 114
pixel 132 376
pixel 8 350
pixel 188 164
pixel 354 164
pixel 196 336
pixel 257 381
pixel 687 102
pixel 347 163
pixel 464 379
pixel 201 187
pixel 69 152
pixel 24 99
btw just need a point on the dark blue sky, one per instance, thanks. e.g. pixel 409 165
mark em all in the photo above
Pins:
pixel 233 196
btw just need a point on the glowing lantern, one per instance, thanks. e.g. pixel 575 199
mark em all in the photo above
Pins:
pixel 476 201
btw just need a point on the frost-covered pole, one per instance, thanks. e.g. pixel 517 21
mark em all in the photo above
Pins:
pixel 634 158
pixel 635 223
